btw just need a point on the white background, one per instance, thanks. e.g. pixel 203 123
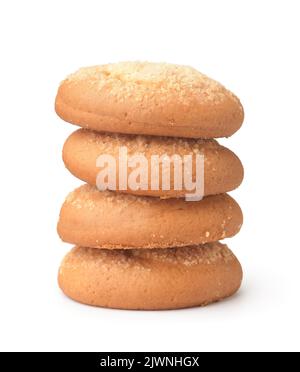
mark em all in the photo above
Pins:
pixel 250 46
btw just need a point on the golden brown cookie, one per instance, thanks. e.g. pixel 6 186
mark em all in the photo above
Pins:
pixel 153 279
pixel 91 218
pixel 149 98
pixel 223 170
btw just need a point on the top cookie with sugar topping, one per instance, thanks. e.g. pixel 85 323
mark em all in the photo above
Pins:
pixel 149 98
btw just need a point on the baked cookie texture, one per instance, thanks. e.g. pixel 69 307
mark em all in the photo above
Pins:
pixel 95 219
pixel 149 249
pixel 156 99
pixel 223 171
pixel 150 279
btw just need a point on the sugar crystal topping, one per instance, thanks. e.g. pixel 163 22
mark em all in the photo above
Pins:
pixel 123 80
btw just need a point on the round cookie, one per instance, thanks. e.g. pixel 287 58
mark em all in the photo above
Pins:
pixel 157 99
pixel 153 279
pixel 91 218
pixel 223 170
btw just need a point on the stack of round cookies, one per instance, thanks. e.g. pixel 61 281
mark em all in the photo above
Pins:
pixel 147 224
